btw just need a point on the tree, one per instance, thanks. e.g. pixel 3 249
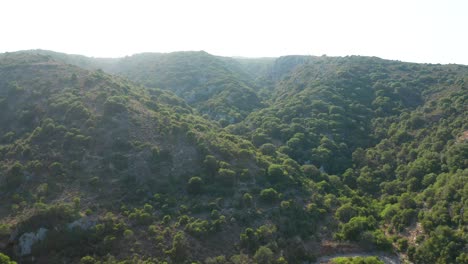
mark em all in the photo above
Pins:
pixel 345 212
pixel 311 171
pixel 211 164
pixel 4 259
pixel 356 226
pixel 216 260
pixel 226 177
pixel 281 260
pixel 357 260
pixel 259 139
pixel 241 259
pixel 56 168
pixel 248 239
pixel 443 246
pixel 73 78
pixel 15 177
pixel 268 149
pixel 128 233
pixel 179 252
pixel 263 255
pixel 457 157
pixel 407 201
pixel 275 173
pixel 247 199
pixel 195 185
pixel 269 195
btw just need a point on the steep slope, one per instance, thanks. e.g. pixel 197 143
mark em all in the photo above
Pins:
pixel 268 72
pixel 91 162
pixel 395 133
pixel 285 65
pixel 70 133
pixel 96 168
pixel 216 86
pixel 48 100
pixel 418 173
pixel 328 107
pixel 257 68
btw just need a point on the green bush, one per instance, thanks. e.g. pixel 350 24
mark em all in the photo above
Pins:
pixel 198 228
pixel 15 176
pixel 179 251
pixel 264 255
pixel 356 226
pixel 226 177
pixel 115 105
pixel 247 200
pixel 128 234
pixel 345 212
pixel 275 173
pixel 268 149
pixel 312 172
pixel 141 216
pixel 216 260
pixel 195 185
pixel 4 259
pixel 4 229
pixel 49 216
pixel 248 239
pixel 357 260
pixel 269 195
pixel 87 260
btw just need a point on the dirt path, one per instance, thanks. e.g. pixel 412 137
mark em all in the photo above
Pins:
pixel 385 257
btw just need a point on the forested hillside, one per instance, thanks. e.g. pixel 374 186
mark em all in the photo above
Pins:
pixel 188 157
pixel 215 86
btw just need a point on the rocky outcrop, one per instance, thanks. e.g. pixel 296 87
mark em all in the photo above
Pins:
pixel 84 223
pixel 27 240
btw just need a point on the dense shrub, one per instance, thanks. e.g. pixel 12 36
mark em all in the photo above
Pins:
pixel 269 195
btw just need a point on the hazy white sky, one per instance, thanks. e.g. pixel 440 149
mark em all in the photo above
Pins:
pixel 408 30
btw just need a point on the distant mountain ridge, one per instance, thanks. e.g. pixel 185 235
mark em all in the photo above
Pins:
pixel 226 89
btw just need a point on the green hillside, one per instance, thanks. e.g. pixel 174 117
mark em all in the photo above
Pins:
pixel 328 107
pixel 216 86
pixel 188 157
pixel 85 147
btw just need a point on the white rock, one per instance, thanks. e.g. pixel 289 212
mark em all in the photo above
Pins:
pixel 27 240
pixel 83 223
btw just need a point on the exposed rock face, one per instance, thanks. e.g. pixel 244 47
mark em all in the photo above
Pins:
pixel 84 223
pixel 27 240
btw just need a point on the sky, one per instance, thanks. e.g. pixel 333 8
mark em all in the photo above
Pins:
pixel 425 31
